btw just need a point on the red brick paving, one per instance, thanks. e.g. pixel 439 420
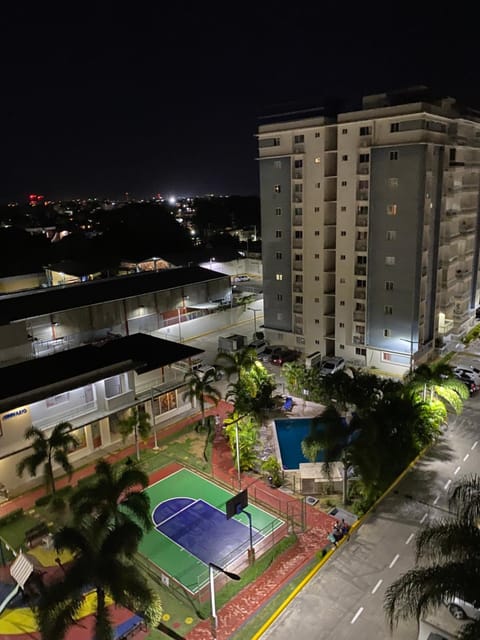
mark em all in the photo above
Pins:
pixel 253 596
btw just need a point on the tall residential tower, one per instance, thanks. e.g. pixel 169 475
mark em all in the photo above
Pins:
pixel 370 223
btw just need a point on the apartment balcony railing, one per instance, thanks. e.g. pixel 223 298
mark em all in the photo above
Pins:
pixel 360 293
pixel 298 147
pixel 361 245
pixel 297 174
pixel 363 170
pixel 358 339
pixel 297 221
pixel 298 288
pixel 297 243
pixel 361 221
pixel 362 195
pixel 298 197
pixel 466 229
pixel 298 265
pixel 360 270
pixel 359 316
pixel 298 308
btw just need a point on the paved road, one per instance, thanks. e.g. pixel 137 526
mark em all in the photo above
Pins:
pixel 344 600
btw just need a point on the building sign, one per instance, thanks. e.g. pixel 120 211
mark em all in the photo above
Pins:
pixel 19 412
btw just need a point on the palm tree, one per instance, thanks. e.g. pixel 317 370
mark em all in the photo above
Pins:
pixel 114 495
pixel 436 381
pixel 138 423
pixel 448 552
pixel 47 450
pixel 199 388
pixel 102 562
pixel 237 363
pixel 332 434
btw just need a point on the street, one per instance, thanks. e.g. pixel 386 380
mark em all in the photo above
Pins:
pixel 345 599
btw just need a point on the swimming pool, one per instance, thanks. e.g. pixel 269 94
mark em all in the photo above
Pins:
pixel 290 433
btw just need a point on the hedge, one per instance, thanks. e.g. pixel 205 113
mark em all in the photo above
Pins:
pixel 11 517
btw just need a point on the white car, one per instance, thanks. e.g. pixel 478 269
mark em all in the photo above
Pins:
pixel 468 372
pixel 330 365
pixel 241 279
pixel 461 609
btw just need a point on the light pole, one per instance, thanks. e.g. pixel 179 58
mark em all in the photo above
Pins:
pixel 229 574
pixel 254 321
pixel 237 442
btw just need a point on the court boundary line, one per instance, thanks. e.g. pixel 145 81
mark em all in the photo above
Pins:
pixel 280 520
pixel 174 515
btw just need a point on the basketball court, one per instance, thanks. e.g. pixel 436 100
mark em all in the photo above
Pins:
pixel 192 529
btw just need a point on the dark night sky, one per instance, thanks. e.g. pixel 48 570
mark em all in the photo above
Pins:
pixel 166 100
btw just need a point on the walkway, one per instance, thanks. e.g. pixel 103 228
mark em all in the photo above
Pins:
pixel 255 595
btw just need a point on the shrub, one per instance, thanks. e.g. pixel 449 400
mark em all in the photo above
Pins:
pixel 11 517
pixel 271 468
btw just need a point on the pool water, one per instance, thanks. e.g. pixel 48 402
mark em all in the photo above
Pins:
pixel 290 433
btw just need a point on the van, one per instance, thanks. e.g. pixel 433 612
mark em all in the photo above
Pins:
pixel 313 359
pixel 258 345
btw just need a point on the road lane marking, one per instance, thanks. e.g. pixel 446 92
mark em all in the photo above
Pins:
pixel 436 500
pixel 474 444
pixel 354 619
pixel 424 517
pixel 446 485
pixel 467 455
pixel 410 538
pixel 375 588
pixel 456 470
pixel 394 561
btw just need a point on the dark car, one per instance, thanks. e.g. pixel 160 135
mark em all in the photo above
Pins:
pixel 284 355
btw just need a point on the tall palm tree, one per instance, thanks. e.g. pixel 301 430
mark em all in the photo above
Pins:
pixel 102 562
pixel 47 450
pixel 436 381
pixel 237 363
pixel 114 495
pixel 333 435
pixel 138 423
pixel 200 388
pixel 448 559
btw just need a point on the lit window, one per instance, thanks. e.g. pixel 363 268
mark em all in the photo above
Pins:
pixel 391 209
pixel 279 276
pixel 277 188
pixel 317 160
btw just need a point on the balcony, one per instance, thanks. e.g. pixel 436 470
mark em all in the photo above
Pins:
pixel 360 293
pixel 360 270
pixel 297 243
pixel 466 229
pixel 363 170
pixel 359 340
pixel 297 308
pixel 361 245
pixel 297 221
pixel 298 147
pixel 297 174
pixel 298 198
pixel 298 288
pixel 359 316
pixel 298 265
pixel 361 221
pixel 362 195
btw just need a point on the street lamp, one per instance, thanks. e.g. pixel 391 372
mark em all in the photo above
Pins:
pixel 254 321
pixel 229 574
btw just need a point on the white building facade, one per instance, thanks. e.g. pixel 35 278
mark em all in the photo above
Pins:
pixel 370 230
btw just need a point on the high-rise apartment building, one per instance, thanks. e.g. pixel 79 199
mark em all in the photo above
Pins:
pixel 370 223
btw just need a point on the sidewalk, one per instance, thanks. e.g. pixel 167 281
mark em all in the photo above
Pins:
pixel 248 601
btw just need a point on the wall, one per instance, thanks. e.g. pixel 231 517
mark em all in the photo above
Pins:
pixel 19 283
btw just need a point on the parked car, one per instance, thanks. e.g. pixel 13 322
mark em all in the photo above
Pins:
pixel 209 370
pixel 243 278
pixel 330 365
pixel 461 609
pixel 284 355
pixel 471 372
pixel 258 345
pixel 466 379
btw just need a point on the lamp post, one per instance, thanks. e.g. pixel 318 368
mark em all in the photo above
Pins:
pixel 229 574
pixel 254 321
pixel 237 442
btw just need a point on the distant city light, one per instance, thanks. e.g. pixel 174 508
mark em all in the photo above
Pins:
pixel 172 200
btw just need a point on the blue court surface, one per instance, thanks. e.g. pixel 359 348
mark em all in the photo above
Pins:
pixel 202 529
